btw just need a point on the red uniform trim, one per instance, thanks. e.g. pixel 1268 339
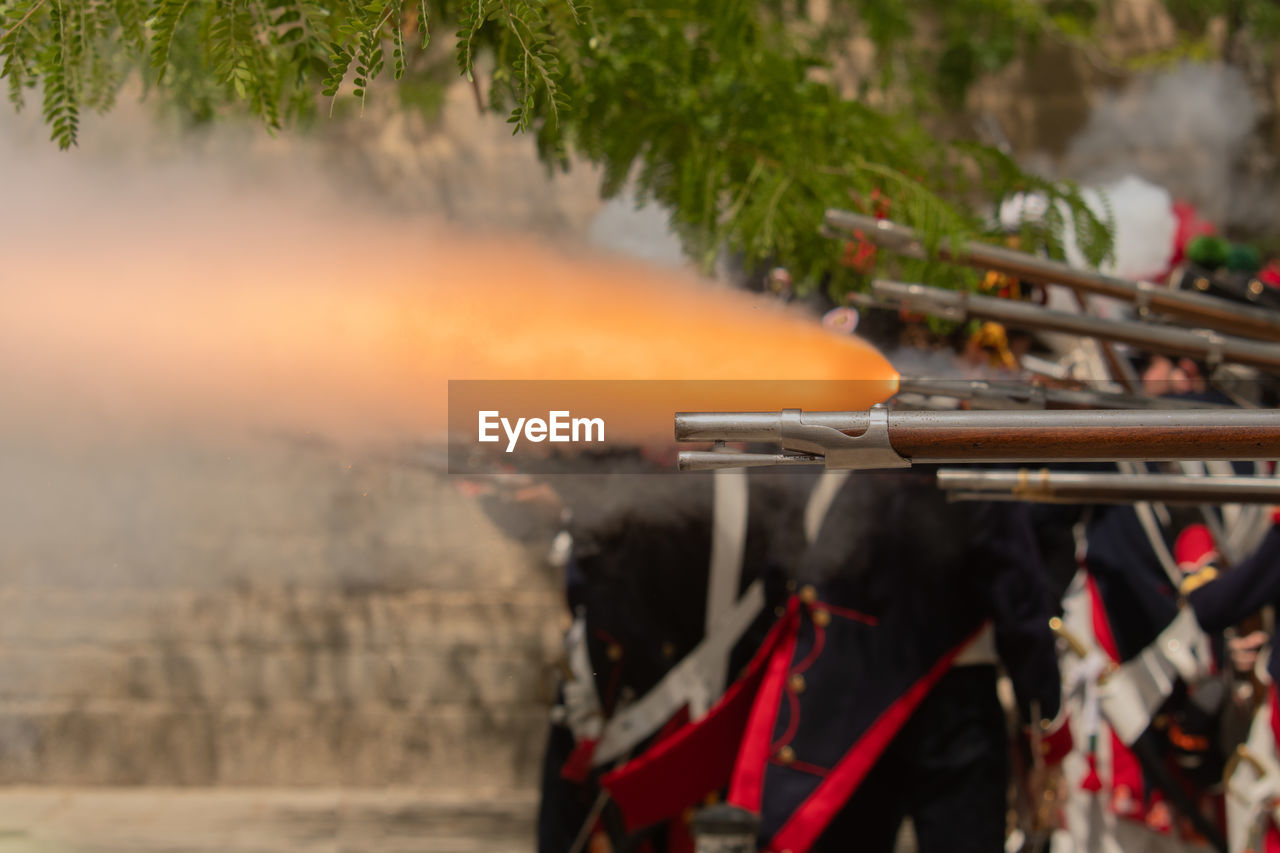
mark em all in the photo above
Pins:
pixel 1271 840
pixel 793 720
pixel 819 642
pixel 677 772
pixel 746 787
pixel 809 820
pixel 577 767
pixel 848 613
pixel 1057 744
pixel 1128 792
pixel 806 767
pixel 1101 625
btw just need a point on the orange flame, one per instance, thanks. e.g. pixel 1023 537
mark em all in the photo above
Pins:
pixel 252 322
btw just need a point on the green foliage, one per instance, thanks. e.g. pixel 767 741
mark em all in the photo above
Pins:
pixel 736 135
pixel 1261 17
pixel 718 109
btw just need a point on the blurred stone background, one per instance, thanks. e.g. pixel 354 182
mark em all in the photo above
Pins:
pixel 272 613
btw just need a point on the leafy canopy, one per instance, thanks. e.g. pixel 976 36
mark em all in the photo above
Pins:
pixel 721 110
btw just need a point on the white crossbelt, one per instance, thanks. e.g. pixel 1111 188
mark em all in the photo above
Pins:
pixel 824 492
pixel 728 542
pixel 699 679
pixel 690 682
pixel 580 707
pixel 1131 694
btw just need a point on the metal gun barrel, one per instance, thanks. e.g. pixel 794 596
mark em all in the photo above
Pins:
pixel 1165 339
pixel 1046 486
pixel 1007 394
pixel 1194 308
pixel 1021 435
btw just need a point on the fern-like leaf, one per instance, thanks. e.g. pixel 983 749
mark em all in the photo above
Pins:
pixel 61 109
pixel 164 24
pixel 397 45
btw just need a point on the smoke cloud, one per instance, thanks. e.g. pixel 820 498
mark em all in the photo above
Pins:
pixel 1188 129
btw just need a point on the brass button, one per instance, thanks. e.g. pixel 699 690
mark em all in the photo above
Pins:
pixel 1045 725
pixel 779 611
pixel 786 755
pixel 821 617
pixel 668 650
pixel 796 683
pixel 808 594
pixel 614 652
pixel 1255 287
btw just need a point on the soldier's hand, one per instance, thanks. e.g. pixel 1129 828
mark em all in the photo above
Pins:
pixel 1244 651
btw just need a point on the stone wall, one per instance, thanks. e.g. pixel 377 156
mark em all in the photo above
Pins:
pixel 268 613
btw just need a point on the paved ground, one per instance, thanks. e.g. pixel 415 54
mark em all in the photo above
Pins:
pixel 114 820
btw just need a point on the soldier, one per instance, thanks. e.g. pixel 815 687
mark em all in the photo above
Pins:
pixel 675 584
pixel 1123 602
pixel 881 703
pixel 1219 601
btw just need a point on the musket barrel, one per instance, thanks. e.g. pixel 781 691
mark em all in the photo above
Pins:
pixel 1193 308
pixel 1045 486
pixel 1020 436
pixel 757 426
pixel 1005 394
pixel 1164 339
pixel 709 460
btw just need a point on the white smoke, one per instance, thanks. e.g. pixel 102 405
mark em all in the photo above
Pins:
pixel 641 231
pixel 1187 129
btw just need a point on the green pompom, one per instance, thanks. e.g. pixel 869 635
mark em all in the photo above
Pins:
pixel 1242 258
pixel 1208 251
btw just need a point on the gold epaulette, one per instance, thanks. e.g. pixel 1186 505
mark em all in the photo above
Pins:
pixel 1193 582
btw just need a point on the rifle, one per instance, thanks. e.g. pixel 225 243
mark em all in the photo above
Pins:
pixel 879 438
pixel 1187 306
pixel 959 305
pixel 1078 487
pixel 1014 394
